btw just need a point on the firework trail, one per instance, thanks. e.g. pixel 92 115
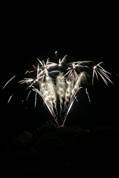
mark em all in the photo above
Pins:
pixel 8 81
pixel 58 84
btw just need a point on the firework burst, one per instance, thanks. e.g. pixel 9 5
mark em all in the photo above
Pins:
pixel 59 83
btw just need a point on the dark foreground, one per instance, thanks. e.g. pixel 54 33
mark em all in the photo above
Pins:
pixel 52 151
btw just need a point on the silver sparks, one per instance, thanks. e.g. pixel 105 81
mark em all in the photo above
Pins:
pixel 59 83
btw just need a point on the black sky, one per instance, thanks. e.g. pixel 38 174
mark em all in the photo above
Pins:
pixel 27 35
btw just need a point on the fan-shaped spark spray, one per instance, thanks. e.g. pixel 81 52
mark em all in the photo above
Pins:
pixel 59 83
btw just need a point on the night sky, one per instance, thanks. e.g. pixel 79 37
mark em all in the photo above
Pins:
pixel 25 38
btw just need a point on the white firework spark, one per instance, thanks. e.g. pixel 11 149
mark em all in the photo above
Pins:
pixel 60 88
pixel 98 70
pixel 9 81
pixel 59 83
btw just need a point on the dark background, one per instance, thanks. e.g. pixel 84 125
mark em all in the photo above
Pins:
pixel 28 33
